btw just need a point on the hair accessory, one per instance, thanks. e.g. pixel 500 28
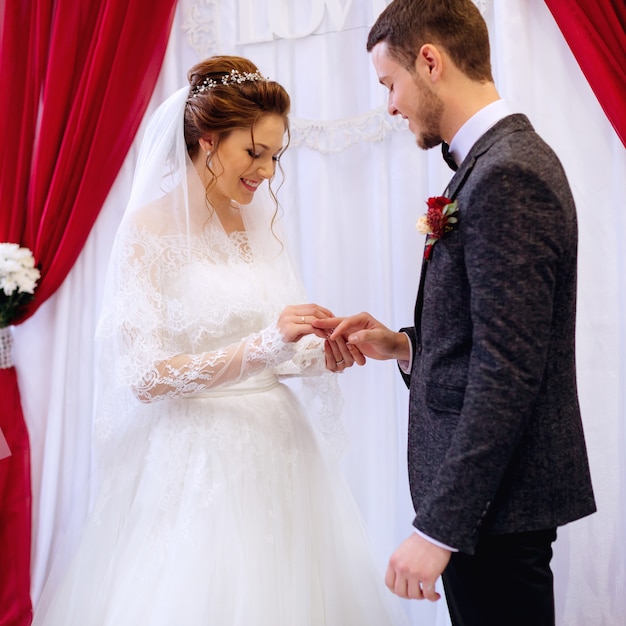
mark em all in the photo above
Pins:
pixel 234 77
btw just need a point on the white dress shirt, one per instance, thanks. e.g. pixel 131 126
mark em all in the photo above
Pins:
pixel 476 127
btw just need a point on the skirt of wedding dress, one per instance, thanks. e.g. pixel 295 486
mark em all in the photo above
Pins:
pixel 222 511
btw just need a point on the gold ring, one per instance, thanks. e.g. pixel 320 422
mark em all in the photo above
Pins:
pixel 302 318
pixel 339 362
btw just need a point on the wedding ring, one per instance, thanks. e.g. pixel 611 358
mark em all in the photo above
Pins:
pixel 339 362
pixel 302 319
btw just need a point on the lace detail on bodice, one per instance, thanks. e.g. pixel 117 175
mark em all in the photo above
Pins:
pixel 239 238
pixel 197 312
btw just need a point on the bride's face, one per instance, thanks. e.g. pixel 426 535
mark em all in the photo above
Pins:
pixel 241 165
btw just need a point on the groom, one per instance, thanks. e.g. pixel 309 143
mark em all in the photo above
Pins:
pixel 496 452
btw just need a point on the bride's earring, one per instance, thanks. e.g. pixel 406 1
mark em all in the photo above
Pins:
pixel 208 148
pixel 206 145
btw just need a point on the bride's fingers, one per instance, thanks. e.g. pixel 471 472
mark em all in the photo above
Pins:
pixel 330 357
pixel 345 355
pixel 336 352
pixel 296 321
pixel 307 318
pixel 334 360
pixel 342 355
pixel 310 312
pixel 321 312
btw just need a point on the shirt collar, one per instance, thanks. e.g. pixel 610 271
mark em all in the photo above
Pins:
pixel 476 127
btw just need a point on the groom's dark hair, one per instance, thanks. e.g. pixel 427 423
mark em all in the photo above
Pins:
pixel 455 25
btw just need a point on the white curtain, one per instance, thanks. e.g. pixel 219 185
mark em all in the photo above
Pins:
pixel 355 185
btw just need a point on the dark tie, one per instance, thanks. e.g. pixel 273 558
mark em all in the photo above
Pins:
pixel 447 157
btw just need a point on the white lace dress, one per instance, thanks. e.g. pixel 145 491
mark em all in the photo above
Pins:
pixel 218 506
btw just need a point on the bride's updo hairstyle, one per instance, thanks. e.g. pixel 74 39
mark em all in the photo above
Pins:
pixel 228 93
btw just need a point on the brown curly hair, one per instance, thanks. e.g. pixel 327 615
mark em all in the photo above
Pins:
pixel 224 108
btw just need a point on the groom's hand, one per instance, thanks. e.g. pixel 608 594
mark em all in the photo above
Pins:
pixel 366 335
pixel 415 567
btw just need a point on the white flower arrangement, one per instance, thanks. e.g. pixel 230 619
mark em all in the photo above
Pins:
pixel 18 280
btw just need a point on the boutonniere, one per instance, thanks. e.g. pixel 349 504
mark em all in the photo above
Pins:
pixel 18 279
pixel 437 221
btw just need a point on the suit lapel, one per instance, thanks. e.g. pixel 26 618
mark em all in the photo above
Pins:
pixel 458 180
pixel 453 188
pixel 419 303
pixel 509 124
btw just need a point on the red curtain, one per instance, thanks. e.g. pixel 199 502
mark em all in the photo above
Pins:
pixel 76 78
pixel 596 33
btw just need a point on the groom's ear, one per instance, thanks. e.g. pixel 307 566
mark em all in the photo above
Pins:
pixel 429 62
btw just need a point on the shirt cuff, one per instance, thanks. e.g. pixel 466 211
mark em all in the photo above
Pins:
pixel 434 541
pixel 405 366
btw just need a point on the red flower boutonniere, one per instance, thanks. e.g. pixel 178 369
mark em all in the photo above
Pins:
pixel 437 221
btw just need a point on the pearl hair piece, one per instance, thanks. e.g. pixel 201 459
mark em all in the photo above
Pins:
pixel 234 77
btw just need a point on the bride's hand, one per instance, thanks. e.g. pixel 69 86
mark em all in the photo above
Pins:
pixel 295 320
pixel 339 356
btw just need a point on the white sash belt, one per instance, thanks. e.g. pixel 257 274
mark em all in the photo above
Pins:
pixel 255 384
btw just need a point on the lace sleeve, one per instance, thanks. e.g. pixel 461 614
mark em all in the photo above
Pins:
pixel 308 359
pixel 189 374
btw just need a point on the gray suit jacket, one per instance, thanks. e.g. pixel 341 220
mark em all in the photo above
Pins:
pixel 495 438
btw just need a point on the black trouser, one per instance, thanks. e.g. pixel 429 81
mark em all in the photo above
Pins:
pixel 507 582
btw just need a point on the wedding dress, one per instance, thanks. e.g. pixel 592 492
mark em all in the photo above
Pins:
pixel 219 503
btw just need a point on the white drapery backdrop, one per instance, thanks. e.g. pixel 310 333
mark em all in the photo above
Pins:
pixel 355 185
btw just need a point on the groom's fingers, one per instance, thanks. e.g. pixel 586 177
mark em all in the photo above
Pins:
pixel 357 355
pixel 390 578
pixel 414 589
pixel 328 323
pixel 319 332
pixel 428 589
pixel 337 326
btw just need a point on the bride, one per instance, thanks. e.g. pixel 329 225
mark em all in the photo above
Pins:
pixel 218 504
